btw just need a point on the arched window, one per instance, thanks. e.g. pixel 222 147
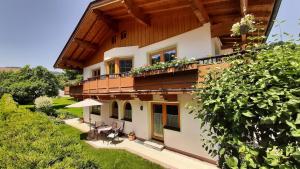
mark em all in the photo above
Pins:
pixel 115 110
pixel 128 112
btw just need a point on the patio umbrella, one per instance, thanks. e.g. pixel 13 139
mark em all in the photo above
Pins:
pixel 86 103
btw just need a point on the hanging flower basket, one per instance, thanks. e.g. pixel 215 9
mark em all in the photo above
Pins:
pixel 245 26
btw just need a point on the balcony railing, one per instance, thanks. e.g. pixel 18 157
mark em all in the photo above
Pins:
pixel 108 84
pixel 170 80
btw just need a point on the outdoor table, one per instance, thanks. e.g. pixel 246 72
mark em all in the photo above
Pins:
pixel 107 128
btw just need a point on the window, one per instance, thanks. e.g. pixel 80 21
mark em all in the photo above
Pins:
pixel 115 110
pixel 128 112
pixel 123 34
pixel 166 115
pixel 96 110
pixel 125 65
pixel 166 55
pixel 111 66
pixel 114 39
pixel 155 59
pixel 96 73
pixel 170 55
pixel 172 120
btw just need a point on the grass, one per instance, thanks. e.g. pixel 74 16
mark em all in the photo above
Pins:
pixel 60 104
pixel 109 158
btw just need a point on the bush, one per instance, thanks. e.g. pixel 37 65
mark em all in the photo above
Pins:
pixel 44 104
pixel 253 110
pixel 31 140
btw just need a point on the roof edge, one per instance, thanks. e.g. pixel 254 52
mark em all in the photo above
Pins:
pixel 273 16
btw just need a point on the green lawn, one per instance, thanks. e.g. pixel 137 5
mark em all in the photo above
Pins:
pixel 60 104
pixel 108 158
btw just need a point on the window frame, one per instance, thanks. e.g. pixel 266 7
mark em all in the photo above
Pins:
pixel 98 70
pixel 164 114
pixel 161 52
pixel 124 118
pixel 112 110
pixel 125 59
pixel 97 114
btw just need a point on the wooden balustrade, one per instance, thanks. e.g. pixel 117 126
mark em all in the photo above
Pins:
pixel 180 80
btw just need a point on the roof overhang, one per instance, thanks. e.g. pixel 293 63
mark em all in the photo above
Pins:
pixel 101 18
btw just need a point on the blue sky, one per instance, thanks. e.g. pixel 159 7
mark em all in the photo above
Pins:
pixel 35 31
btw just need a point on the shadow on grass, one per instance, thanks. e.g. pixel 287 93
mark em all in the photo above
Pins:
pixel 60 106
pixel 83 136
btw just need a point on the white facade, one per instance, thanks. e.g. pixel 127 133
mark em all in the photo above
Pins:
pixel 196 43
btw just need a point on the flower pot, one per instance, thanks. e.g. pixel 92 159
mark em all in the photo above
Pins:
pixel 131 137
pixel 81 120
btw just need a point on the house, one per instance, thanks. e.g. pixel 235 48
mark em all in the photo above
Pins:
pixel 114 36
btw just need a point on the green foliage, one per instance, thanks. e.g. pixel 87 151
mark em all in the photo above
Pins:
pixel 44 104
pixel 253 109
pixel 163 65
pixel 28 83
pixel 31 140
pixel 69 78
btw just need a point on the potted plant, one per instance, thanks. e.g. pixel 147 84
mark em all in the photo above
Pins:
pixel 246 25
pixel 81 120
pixel 131 136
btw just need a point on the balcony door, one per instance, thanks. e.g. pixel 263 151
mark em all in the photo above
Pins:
pixel 157 121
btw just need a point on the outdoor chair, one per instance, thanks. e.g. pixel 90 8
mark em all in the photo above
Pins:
pixel 113 135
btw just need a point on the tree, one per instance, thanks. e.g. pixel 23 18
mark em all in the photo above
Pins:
pixel 28 83
pixel 69 78
pixel 253 109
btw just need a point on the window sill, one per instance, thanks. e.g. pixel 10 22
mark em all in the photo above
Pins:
pixel 114 117
pixel 172 128
pixel 129 120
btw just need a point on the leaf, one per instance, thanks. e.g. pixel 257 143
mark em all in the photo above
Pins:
pixel 248 114
pixel 268 120
pixel 296 155
pixel 232 162
pixel 296 133
pixel 291 124
pixel 298 119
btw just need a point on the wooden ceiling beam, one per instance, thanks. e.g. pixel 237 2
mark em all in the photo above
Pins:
pixel 136 12
pixel 244 7
pixel 74 63
pixel 199 10
pixel 85 44
pixel 110 23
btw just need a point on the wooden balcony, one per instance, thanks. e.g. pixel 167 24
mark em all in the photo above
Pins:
pixel 168 81
pixel 106 84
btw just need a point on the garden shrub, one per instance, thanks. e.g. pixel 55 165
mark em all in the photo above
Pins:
pixel 31 140
pixel 253 109
pixel 44 104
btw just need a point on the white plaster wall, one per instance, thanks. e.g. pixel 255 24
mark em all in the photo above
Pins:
pixel 188 139
pixel 196 43
pixel 192 44
pixel 87 71
pixel 120 52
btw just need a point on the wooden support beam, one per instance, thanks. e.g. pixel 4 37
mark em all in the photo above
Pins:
pixel 113 25
pixel 199 10
pixel 244 7
pixel 74 63
pixel 170 97
pixel 86 45
pixel 145 97
pixel 124 97
pixel 222 28
pixel 136 12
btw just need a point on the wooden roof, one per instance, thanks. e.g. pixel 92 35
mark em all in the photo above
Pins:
pixel 101 19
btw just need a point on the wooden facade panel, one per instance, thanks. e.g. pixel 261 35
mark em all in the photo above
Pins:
pixel 161 28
